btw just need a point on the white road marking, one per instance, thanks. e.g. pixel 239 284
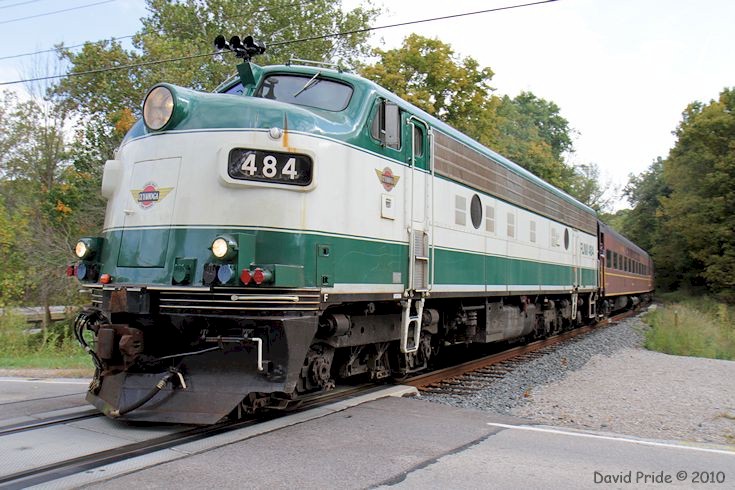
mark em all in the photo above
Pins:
pixel 47 381
pixel 610 438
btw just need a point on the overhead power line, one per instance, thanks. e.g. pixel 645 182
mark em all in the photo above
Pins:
pixel 278 44
pixel 19 4
pixel 51 50
pixel 18 19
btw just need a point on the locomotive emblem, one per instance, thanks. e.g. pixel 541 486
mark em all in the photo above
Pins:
pixel 387 178
pixel 150 194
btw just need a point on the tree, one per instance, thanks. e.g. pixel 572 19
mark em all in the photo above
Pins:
pixel 644 193
pixel 37 233
pixel 427 73
pixel 585 186
pixel 700 210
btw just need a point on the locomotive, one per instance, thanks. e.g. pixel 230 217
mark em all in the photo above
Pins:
pixel 301 226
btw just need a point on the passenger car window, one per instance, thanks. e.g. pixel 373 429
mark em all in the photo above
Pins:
pixel 309 91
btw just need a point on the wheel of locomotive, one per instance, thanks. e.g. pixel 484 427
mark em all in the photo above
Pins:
pixel 316 374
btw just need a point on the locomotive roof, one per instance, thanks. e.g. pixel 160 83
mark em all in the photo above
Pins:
pixel 432 121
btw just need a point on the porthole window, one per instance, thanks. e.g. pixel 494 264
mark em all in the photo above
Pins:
pixel 476 211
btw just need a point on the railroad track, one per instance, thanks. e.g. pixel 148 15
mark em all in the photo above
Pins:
pixel 470 376
pixel 466 377
pixel 53 471
pixel 49 422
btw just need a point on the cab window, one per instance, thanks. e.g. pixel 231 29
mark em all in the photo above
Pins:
pixel 305 90
pixel 386 125
pixel 418 137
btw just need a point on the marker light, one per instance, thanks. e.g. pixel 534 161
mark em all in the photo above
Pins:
pixel 246 277
pixel 260 276
pixel 158 108
pixel 105 279
pixel 225 273
pixel 82 271
pixel 224 247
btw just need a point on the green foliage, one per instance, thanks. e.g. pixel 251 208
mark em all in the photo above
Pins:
pixel 14 233
pixel 701 173
pixel 427 73
pixel 684 206
pixel 616 220
pixel 699 327
pixel 21 347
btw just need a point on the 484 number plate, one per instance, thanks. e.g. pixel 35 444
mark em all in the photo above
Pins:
pixel 270 166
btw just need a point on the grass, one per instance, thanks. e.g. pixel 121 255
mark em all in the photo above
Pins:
pixel 692 326
pixel 56 349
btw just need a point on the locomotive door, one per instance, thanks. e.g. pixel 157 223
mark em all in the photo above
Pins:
pixel 576 257
pixel 419 217
pixel 420 205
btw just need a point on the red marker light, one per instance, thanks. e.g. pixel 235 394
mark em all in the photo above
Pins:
pixel 258 276
pixel 245 276
pixel 105 279
pixel 71 271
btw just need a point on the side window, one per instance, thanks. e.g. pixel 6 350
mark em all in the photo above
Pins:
pixel 386 125
pixel 608 258
pixel 460 210
pixel 511 225
pixel 490 219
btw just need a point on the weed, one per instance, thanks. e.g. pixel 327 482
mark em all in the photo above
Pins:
pixel 694 326
pixel 22 347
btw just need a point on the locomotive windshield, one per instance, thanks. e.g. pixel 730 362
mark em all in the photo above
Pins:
pixel 310 91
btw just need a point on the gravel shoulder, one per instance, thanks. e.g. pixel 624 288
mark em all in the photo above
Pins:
pixel 606 381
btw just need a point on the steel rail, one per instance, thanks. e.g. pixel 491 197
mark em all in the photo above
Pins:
pixel 424 380
pixel 48 422
pixel 60 469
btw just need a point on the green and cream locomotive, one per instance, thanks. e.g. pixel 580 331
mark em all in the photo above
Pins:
pixel 302 226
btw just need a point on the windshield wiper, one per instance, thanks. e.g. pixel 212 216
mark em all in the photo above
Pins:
pixel 308 84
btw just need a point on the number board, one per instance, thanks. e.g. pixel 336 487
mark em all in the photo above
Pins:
pixel 270 166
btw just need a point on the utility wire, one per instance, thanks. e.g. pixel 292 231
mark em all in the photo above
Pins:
pixel 66 47
pixel 281 43
pixel 54 12
pixel 51 50
pixel 18 4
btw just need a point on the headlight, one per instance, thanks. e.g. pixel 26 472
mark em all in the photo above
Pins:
pixel 81 249
pixel 86 248
pixel 224 247
pixel 158 108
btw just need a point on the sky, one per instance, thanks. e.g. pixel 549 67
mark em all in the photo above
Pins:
pixel 622 71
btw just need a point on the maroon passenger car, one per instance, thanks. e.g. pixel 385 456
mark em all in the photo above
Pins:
pixel 626 271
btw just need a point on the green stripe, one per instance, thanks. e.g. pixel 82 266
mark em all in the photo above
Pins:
pixel 349 260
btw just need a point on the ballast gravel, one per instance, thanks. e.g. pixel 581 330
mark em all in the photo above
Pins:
pixel 607 381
